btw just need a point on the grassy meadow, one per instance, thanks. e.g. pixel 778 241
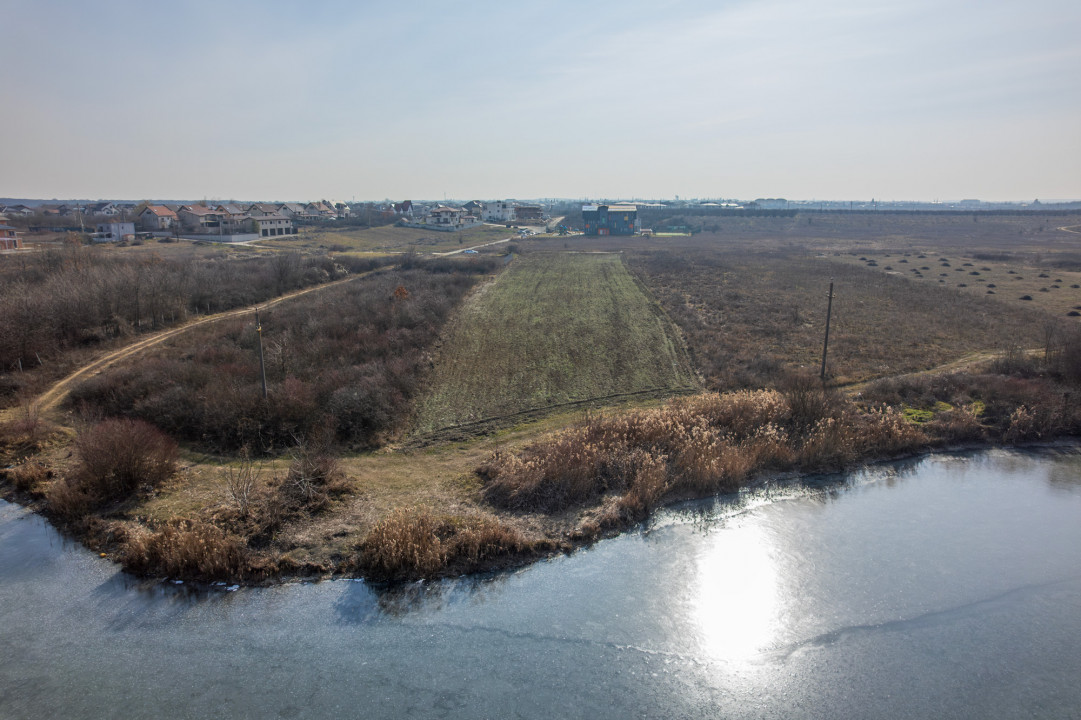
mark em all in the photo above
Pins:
pixel 553 329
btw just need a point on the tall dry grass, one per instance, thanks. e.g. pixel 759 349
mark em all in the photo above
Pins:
pixel 185 549
pixel 691 447
pixel 417 543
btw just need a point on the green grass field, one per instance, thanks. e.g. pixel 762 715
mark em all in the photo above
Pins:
pixel 551 330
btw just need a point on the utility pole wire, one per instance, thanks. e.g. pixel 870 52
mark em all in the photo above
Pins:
pixel 262 365
pixel 826 342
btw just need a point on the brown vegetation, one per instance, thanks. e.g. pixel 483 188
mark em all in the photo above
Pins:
pixel 691 447
pixel 417 543
pixel 56 301
pixel 750 318
pixel 344 368
pixel 115 459
pixel 185 549
pixel 614 470
pixel 349 360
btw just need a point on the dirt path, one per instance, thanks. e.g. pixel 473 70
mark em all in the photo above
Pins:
pixel 966 363
pixel 473 247
pixel 52 397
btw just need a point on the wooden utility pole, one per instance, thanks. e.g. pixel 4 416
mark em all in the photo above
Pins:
pixel 826 342
pixel 262 365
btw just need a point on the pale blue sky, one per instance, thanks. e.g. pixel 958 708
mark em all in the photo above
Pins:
pixel 842 99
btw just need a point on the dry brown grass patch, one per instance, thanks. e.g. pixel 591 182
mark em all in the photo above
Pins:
pixel 186 549
pixel 415 543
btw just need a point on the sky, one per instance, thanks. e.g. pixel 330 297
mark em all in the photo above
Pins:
pixel 368 100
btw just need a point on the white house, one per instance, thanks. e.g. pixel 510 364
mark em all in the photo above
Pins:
pixel 114 232
pixel 500 211
pixel 445 216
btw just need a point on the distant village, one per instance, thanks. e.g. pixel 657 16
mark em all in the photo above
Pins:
pixel 117 222
pixel 237 222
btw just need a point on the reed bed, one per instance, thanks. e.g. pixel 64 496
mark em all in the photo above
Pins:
pixel 415 543
pixel 691 447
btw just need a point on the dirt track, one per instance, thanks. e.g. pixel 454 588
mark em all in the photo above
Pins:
pixel 965 364
pixel 56 394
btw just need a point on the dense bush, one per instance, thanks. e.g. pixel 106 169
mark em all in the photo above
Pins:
pixel 57 300
pixel 349 359
pixel 114 458
pixel 694 446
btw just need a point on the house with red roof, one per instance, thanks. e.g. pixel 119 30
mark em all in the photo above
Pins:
pixel 157 217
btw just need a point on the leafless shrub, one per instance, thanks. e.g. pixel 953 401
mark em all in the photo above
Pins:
pixel 957 425
pixel 1027 424
pixel 70 501
pixel 350 355
pixel 26 433
pixel 29 476
pixel 117 456
pixel 313 477
pixel 242 480
pixel 808 399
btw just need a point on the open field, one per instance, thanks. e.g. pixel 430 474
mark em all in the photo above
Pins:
pixel 749 317
pixel 1048 282
pixel 554 329
pixel 390 238
pixel 552 332
pixel 1032 234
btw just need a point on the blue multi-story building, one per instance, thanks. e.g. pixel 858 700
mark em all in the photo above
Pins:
pixel 611 219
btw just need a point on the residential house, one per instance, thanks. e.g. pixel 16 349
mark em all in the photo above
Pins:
pixel 234 219
pixel 342 210
pixel 474 207
pixel 272 225
pixel 264 209
pixel 404 208
pixel 526 213
pixel 199 219
pixel 9 238
pixel 446 216
pixel 156 217
pixel 500 211
pixel 102 208
pixel 114 232
pixel 292 210
pixel 611 219
pixel 18 210
pixel 319 211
